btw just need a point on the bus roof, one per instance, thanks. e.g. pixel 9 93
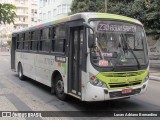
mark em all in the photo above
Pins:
pixel 85 16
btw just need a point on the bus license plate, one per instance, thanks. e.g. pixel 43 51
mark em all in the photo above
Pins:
pixel 126 91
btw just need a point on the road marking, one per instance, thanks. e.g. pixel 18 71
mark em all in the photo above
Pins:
pixel 6 104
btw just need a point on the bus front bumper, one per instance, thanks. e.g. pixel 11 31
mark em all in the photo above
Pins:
pixel 94 93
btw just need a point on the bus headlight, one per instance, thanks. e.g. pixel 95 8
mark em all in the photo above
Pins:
pixel 96 82
pixel 146 79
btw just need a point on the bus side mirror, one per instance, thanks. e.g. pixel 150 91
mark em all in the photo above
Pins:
pixel 91 37
pixel 91 40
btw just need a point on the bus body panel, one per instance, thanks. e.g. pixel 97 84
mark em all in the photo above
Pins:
pixel 40 67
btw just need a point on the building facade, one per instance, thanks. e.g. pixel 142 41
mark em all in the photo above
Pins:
pixel 26 11
pixel 53 9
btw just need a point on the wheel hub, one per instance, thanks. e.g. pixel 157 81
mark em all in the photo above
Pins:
pixel 60 86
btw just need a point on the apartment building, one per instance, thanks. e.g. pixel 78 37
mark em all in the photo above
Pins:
pixel 26 11
pixel 53 9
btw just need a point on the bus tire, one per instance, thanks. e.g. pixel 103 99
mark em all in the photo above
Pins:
pixel 59 88
pixel 20 72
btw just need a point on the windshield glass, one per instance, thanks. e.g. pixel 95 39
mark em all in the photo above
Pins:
pixel 118 44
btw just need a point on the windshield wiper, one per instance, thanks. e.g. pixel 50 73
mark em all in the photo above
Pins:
pixel 127 48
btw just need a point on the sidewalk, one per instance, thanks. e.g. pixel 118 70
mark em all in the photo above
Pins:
pixel 155 72
pixel 155 76
pixel 5 53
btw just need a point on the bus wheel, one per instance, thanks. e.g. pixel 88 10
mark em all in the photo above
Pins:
pixel 20 72
pixel 59 88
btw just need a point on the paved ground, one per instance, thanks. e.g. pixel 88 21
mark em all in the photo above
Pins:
pixel 155 71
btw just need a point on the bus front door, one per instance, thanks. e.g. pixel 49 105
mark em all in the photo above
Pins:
pixel 75 60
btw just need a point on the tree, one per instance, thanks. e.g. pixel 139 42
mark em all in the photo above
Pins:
pixel 153 17
pixel 87 6
pixel 146 11
pixel 7 13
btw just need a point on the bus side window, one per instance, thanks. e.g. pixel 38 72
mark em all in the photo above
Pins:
pixel 20 41
pixel 36 41
pixel 60 38
pixel 45 40
pixel 53 38
pixel 26 42
pixel 23 37
pixel 31 41
pixel 40 47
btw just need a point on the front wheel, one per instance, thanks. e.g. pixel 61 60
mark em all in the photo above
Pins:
pixel 20 72
pixel 59 89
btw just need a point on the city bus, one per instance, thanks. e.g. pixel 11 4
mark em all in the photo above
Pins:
pixel 90 56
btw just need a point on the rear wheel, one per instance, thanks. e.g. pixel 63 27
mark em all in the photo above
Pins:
pixel 59 88
pixel 20 72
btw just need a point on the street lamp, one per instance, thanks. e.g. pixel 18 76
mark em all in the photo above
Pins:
pixel 106 1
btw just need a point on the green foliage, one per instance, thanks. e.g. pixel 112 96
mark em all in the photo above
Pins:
pixel 7 13
pixel 147 11
pixel 87 6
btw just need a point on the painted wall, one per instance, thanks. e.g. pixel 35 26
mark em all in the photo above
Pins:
pixel 154 48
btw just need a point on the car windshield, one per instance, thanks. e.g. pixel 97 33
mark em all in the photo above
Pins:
pixel 118 44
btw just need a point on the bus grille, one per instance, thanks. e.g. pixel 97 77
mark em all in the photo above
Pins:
pixel 125 84
pixel 123 74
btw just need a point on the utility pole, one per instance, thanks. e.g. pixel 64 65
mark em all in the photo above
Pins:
pixel 106 1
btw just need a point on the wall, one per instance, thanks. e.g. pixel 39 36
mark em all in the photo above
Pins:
pixel 154 48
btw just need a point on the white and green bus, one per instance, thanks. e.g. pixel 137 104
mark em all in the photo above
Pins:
pixel 91 56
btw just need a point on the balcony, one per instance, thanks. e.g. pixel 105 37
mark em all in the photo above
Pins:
pixel 22 13
pixel 21 4
pixel 21 22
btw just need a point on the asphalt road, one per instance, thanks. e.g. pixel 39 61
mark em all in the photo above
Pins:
pixel 150 101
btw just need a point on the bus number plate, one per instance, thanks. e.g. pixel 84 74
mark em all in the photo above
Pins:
pixel 126 91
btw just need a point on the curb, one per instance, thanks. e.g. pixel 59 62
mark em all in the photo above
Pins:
pixel 155 78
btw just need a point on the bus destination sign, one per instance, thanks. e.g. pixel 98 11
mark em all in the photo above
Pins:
pixel 116 27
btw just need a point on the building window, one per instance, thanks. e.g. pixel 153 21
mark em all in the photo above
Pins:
pixel 49 14
pixel 64 8
pixel 44 16
pixel 32 19
pixel 59 9
pixel 32 10
pixel 23 19
pixel 40 16
pixel 54 12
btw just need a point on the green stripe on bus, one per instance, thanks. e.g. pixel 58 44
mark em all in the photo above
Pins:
pixel 64 66
pixel 119 17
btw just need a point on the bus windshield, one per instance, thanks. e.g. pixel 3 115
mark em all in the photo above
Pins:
pixel 118 44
